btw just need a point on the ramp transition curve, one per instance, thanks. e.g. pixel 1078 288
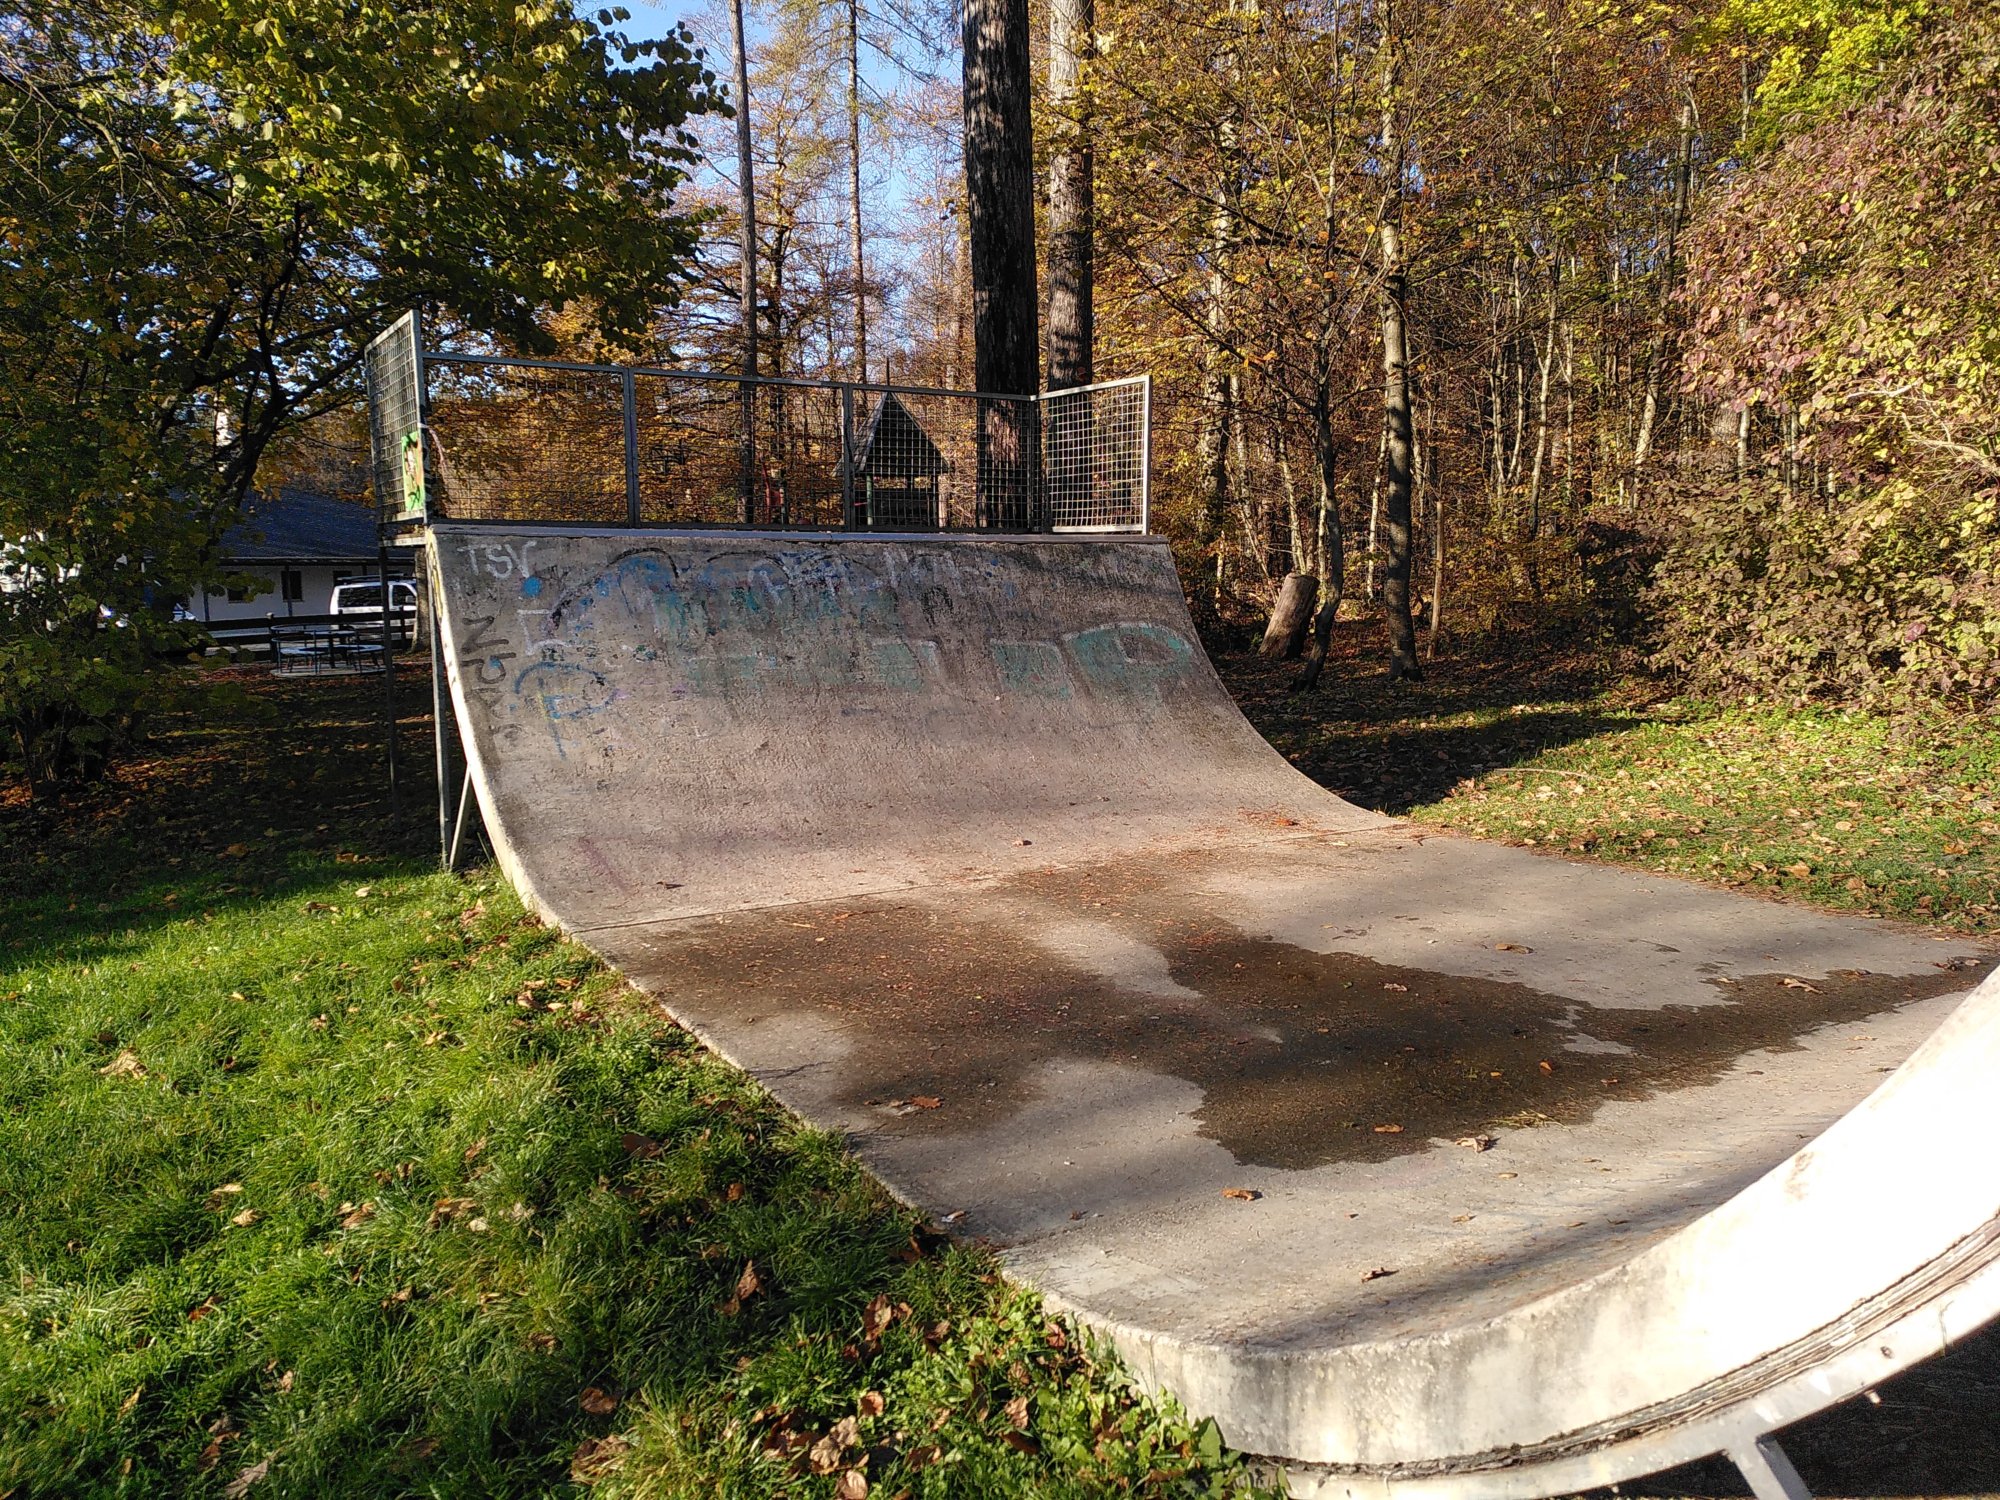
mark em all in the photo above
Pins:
pixel 1539 1175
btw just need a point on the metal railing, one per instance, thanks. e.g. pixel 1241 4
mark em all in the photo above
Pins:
pixel 558 441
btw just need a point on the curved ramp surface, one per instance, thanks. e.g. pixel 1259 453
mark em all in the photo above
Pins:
pixel 1432 1166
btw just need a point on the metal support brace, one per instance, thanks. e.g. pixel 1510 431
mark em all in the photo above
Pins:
pixel 441 721
pixel 465 800
pixel 1770 1474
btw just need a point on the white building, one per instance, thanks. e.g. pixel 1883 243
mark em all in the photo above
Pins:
pixel 300 543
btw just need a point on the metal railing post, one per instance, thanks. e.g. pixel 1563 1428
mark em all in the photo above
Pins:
pixel 1146 455
pixel 847 458
pixel 631 384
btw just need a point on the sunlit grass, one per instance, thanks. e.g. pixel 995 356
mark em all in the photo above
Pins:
pixel 325 1173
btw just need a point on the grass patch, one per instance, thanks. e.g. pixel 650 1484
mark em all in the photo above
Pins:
pixel 1856 812
pixel 322 1172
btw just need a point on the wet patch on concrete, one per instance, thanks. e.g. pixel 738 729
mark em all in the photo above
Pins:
pixel 952 1020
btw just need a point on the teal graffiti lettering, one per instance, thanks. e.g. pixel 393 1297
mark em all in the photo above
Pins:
pixel 1034 669
pixel 1135 657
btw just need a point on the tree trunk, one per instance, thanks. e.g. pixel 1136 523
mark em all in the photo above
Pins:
pixel 747 292
pixel 1285 636
pixel 1395 385
pixel 854 188
pixel 1072 196
pixel 1000 213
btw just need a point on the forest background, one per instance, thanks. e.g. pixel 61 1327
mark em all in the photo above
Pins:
pixel 1667 324
pixel 1699 300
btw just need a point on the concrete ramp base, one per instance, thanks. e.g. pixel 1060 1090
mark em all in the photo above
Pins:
pixel 1428 1166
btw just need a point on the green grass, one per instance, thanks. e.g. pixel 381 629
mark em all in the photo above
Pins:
pixel 1893 817
pixel 324 1173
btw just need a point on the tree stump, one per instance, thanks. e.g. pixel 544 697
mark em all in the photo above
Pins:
pixel 1285 636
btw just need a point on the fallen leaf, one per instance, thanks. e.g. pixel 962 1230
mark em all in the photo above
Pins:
pixel 125 1065
pixel 853 1485
pixel 876 1317
pixel 212 1454
pixel 1799 984
pixel 245 1219
pixel 596 1457
pixel 1388 1130
pixel 1378 1273
pixel 824 1456
pixel 542 1343
pixel 196 1314
pixel 872 1404
pixel 1477 1142
pixel 1247 1195
pixel 238 1487
pixel 364 891
pixel 926 1101
pixel 447 1209
pixel 285 1380
pixel 846 1432
pixel 396 1298
pixel 1020 1442
pixel 125 1406
pixel 1017 1413
pixel 353 1216
pixel 748 1284
pixel 1512 948
pixel 638 1145
pixel 1801 869
pixel 598 1402
pixel 1546 1066
pixel 1401 989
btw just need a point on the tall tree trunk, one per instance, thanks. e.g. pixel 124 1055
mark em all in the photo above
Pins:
pixel 1072 328
pixel 1000 214
pixel 747 209
pixel 1332 542
pixel 854 188
pixel 1375 509
pixel 1072 196
pixel 1660 352
pixel 1395 378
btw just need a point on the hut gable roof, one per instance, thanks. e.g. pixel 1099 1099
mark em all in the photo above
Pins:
pixel 894 445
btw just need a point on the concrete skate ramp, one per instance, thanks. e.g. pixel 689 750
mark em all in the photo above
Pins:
pixel 1432 1166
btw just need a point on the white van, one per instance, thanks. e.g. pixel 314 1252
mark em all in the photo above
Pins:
pixel 364 598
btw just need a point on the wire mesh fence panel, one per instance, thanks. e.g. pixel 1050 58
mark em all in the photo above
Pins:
pixel 395 418
pixel 1094 440
pixel 798 469
pixel 691 456
pixel 942 460
pixel 520 442
pixel 550 441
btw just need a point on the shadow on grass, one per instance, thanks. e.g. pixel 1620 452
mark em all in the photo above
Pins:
pixel 258 789
pixel 1382 745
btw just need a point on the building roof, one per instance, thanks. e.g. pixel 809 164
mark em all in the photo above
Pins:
pixel 894 445
pixel 297 525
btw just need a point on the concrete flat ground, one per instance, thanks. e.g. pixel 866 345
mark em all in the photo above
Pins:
pixel 1219 1092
